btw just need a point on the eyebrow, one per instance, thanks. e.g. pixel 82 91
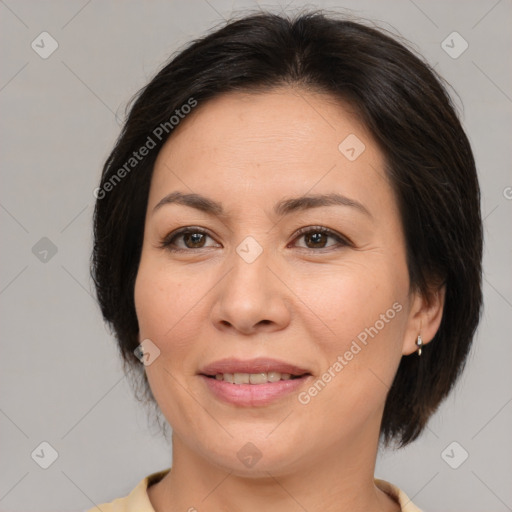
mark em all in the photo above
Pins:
pixel 282 208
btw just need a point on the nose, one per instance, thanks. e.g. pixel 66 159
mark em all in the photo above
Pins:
pixel 251 298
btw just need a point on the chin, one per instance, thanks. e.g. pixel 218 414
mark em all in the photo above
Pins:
pixel 255 459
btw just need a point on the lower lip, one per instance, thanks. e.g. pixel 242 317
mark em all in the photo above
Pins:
pixel 253 395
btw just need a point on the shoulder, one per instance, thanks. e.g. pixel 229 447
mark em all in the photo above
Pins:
pixel 136 501
pixel 406 505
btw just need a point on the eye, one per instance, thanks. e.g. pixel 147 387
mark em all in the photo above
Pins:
pixel 316 237
pixel 192 237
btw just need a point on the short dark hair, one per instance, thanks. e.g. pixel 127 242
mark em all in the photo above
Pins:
pixel 402 102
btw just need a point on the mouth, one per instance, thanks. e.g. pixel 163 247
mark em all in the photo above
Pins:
pixel 254 378
pixel 253 371
pixel 252 383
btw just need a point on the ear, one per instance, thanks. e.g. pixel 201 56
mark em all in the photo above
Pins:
pixel 424 318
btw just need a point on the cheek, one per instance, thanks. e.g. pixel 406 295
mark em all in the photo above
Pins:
pixel 362 318
pixel 170 305
pixel 348 301
pixel 162 300
pixel 165 313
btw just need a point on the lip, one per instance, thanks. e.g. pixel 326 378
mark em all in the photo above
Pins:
pixel 252 395
pixel 258 365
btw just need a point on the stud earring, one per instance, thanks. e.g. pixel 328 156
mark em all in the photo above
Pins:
pixel 419 344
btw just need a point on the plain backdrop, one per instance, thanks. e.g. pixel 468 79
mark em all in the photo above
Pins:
pixel 61 380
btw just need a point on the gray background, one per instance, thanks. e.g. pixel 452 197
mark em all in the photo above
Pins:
pixel 60 377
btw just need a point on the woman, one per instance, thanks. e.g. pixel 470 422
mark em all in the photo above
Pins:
pixel 288 236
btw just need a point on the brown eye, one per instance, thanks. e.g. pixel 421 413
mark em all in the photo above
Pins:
pixel 191 238
pixel 194 240
pixel 317 237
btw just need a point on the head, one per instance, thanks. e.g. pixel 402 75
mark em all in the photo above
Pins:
pixel 231 137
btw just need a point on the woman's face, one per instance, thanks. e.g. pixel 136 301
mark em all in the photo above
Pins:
pixel 256 279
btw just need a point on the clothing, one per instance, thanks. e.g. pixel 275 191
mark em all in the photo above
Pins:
pixel 138 500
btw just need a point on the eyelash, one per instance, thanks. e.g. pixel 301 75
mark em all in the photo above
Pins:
pixel 167 242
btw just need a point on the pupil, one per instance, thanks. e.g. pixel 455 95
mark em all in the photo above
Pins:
pixel 317 238
pixel 196 237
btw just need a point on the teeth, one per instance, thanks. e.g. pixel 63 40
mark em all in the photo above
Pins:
pixel 252 378
pixel 241 378
pixel 228 377
pixel 257 378
pixel 273 376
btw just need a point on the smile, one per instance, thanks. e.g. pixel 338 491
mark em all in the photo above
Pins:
pixel 252 382
pixel 254 378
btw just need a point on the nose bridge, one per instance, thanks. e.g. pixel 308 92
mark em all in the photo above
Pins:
pixel 250 261
pixel 251 252
pixel 249 295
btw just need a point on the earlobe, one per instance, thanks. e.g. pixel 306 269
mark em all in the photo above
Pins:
pixel 424 321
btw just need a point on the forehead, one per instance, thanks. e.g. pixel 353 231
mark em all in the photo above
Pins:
pixel 285 140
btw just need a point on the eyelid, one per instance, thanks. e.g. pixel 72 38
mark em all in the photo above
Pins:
pixel 322 229
pixel 166 240
pixel 342 240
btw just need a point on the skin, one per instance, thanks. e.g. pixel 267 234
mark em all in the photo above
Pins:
pixel 298 302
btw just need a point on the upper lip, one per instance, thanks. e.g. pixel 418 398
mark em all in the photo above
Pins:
pixel 258 365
